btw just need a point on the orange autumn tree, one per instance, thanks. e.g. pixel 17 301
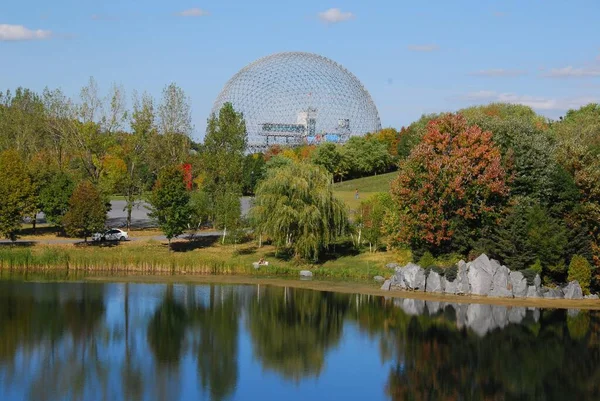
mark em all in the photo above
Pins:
pixel 451 185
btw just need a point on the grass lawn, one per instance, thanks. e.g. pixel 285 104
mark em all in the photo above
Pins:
pixel 367 186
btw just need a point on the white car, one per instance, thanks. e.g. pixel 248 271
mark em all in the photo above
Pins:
pixel 114 234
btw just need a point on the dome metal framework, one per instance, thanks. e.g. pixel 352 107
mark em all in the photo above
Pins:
pixel 298 98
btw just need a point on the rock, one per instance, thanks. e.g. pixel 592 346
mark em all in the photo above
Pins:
pixel 591 296
pixel 537 281
pixel 533 292
pixel 461 315
pixel 414 277
pixel 516 315
pixel 386 285
pixel 256 265
pixel 392 266
pixel 379 279
pixel 573 290
pixel 462 279
pixel 434 283
pixel 397 281
pixel 536 315
pixel 501 286
pixel 306 273
pixel 480 274
pixel 552 293
pixel 519 284
pixel 449 286
pixel 413 307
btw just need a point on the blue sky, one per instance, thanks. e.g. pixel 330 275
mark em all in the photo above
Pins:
pixel 414 57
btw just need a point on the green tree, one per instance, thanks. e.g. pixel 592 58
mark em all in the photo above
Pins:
pixel 87 211
pixel 170 203
pixel 581 270
pixel 253 172
pixel 223 158
pixel 296 208
pixel 366 157
pixel 16 194
pixel 370 219
pixel 54 197
pixel 331 158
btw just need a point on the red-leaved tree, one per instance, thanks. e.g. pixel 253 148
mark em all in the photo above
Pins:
pixel 452 183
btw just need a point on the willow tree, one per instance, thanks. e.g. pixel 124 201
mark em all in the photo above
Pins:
pixel 296 208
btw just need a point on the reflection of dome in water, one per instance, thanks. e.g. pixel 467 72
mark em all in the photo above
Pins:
pixel 296 98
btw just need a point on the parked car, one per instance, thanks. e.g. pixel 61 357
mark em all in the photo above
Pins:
pixel 114 234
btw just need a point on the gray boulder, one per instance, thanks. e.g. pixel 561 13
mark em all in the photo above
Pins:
pixel 573 290
pixel 462 279
pixel 591 296
pixel 414 277
pixel 501 286
pixel 533 292
pixel 552 293
pixel 480 273
pixel 386 285
pixel 392 266
pixel 500 315
pixel 434 283
pixel 379 279
pixel 434 307
pixel 537 281
pixel 518 283
pixel 306 273
pixel 449 287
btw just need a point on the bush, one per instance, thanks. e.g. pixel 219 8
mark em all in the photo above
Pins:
pixel 427 260
pixel 451 272
pixel 537 266
pixel 529 275
pixel 581 270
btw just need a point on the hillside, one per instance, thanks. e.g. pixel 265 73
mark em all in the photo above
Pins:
pixel 366 186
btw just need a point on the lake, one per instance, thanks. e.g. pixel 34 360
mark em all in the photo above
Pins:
pixel 125 341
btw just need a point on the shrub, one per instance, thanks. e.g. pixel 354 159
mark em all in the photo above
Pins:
pixel 451 272
pixel 581 270
pixel 537 266
pixel 427 260
pixel 529 275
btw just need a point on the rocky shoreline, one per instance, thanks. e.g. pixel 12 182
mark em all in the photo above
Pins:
pixel 481 277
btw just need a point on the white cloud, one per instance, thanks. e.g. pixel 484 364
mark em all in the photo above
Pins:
pixel 19 32
pixel 335 15
pixel 535 102
pixel 193 12
pixel 498 72
pixel 570 71
pixel 423 48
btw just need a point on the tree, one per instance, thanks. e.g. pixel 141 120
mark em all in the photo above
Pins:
pixel 581 270
pixel 174 125
pixel 170 203
pixel 223 158
pixel 296 208
pixel 366 157
pixel 329 156
pixel 453 180
pixel 370 219
pixel 87 211
pixel 16 194
pixel 227 210
pixel 253 171
pixel 54 197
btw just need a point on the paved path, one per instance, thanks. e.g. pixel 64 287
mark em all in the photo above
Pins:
pixel 131 238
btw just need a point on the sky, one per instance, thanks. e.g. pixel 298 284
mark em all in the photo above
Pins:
pixel 414 57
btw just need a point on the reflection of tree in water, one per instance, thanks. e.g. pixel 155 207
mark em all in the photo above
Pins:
pixel 548 360
pixel 216 339
pixel 166 330
pixel 292 329
pixel 59 325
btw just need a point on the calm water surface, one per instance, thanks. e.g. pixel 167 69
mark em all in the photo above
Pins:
pixel 96 341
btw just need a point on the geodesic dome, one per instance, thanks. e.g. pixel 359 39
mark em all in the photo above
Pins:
pixel 296 98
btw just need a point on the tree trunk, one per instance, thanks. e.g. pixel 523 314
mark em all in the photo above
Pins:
pixel 224 234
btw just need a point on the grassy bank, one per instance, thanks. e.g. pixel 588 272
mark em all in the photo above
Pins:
pixel 205 256
pixel 366 186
